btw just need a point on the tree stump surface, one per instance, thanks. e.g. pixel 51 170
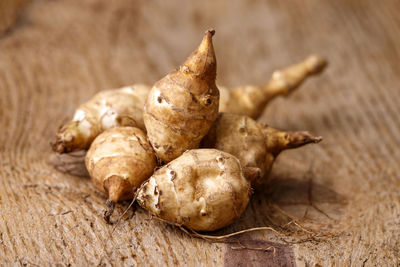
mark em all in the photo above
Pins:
pixel 333 204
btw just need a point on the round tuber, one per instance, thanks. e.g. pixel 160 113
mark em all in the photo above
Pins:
pixel 255 145
pixel 203 189
pixel 118 161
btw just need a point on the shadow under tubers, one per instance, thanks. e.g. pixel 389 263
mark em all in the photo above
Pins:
pixel 304 201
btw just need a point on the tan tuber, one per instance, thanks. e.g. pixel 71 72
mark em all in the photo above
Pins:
pixel 129 101
pixel 203 189
pixel 107 109
pixel 250 100
pixel 120 160
pixel 255 145
pixel 183 105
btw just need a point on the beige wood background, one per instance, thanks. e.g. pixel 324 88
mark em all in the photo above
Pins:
pixel 344 194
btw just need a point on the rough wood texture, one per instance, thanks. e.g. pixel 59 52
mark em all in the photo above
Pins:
pixel 344 192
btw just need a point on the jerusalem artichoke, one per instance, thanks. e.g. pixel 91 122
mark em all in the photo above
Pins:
pixel 107 109
pixel 255 145
pixel 183 105
pixel 118 161
pixel 250 100
pixel 203 189
pixel 244 100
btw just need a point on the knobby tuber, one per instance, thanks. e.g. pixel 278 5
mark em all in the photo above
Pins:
pixel 129 101
pixel 107 109
pixel 254 144
pixel 250 100
pixel 183 105
pixel 119 160
pixel 203 189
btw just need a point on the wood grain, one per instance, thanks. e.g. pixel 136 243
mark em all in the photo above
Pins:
pixel 9 13
pixel 343 193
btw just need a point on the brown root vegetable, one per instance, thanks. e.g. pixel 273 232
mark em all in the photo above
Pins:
pixel 107 109
pixel 183 105
pixel 203 189
pixel 251 100
pixel 118 161
pixel 255 145
pixel 126 105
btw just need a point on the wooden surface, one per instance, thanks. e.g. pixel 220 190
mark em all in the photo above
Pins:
pixel 341 198
pixel 9 12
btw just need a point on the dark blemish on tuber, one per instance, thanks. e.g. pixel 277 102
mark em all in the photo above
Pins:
pixel 207 100
pixel 210 31
pixel 173 175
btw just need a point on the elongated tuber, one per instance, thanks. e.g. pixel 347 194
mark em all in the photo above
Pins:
pixel 118 161
pixel 183 105
pixel 203 189
pixel 250 100
pixel 255 145
pixel 107 109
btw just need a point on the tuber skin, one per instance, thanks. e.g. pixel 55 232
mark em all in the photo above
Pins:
pixel 118 161
pixel 250 100
pixel 183 105
pixel 107 109
pixel 254 144
pixel 203 189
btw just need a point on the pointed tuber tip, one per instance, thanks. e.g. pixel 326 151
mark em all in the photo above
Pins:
pixel 277 140
pixel 316 64
pixel 117 187
pixel 202 61
pixel 59 147
pixel 297 139
pixel 210 31
pixel 67 139
pixel 64 143
pixel 317 139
